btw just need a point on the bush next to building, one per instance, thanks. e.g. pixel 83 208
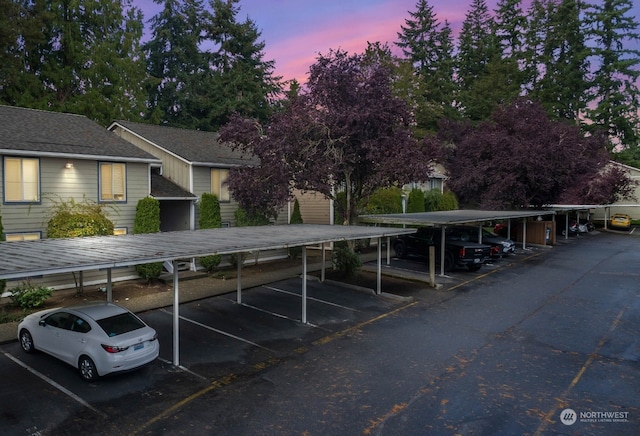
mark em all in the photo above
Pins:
pixel 296 218
pixel 345 259
pixel 210 218
pixel 416 201
pixel 435 200
pixel 147 220
pixel 29 296
pixel 72 219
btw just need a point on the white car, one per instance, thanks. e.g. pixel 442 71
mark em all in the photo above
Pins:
pixel 97 338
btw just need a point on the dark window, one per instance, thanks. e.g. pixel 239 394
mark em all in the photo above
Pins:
pixel 79 325
pixel 119 324
pixel 61 320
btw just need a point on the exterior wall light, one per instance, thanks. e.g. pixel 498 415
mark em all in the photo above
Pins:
pixel 68 165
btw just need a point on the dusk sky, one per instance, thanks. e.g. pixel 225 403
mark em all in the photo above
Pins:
pixel 296 31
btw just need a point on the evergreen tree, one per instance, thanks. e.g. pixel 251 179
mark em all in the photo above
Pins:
pixel 534 36
pixel 296 218
pixel 562 88
pixel 511 25
pixel 615 84
pixel 147 220
pixel 428 46
pixel 210 218
pixel 416 201
pixel 175 62
pixel 477 48
pixel 79 57
pixel 239 79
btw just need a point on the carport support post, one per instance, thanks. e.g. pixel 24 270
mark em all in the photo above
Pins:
pixel 442 251
pixel 379 278
pixel 432 266
pixel 176 316
pixel 239 280
pixel 304 284
pixel 388 250
pixel 324 260
pixel 109 286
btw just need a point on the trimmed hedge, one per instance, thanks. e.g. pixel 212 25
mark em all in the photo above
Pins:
pixel 210 218
pixel 147 220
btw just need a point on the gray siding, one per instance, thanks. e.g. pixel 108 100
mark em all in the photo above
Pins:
pixel 59 184
pixel 173 168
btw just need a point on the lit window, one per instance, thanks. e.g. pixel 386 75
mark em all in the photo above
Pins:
pixel 21 180
pixel 112 182
pixel 120 231
pixel 219 184
pixel 16 237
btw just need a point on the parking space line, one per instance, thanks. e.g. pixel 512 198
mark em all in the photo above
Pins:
pixel 312 299
pixel 592 357
pixel 183 368
pixel 55 385
pixel 219 331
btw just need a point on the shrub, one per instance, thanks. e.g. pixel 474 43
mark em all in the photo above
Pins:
pixel 384 200
pixel 345 259
pixel 210 218
pixel 416 201
pixel 436 201
pixel 28 296
pixel 296 218
pixel 70 219
pixel 147 220
pixel 449 201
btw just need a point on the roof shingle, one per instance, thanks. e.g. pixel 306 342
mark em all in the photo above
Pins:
pixel 41 132
pixel 194 146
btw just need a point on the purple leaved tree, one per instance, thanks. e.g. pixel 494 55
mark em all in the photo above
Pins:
pixel 520 158
pixel 347 132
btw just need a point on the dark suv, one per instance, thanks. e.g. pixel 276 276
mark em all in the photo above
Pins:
pixel 459 251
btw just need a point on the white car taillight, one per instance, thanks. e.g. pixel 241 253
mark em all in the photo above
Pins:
pixel 113 349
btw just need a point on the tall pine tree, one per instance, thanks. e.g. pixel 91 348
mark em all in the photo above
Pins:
pixel 79 57
pixel 477 47
pixel 175 62
pixel 428 46
pixel 563 85
pixel 239 79
pixel 615 93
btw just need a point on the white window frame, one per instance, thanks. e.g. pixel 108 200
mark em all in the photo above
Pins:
pixel 110 181
pixel 219 186
pixel 29 189
pixel 25 236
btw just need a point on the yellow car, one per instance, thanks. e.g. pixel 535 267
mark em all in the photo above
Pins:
pixel 620 221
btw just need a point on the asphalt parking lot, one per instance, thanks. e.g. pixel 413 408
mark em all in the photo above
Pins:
pixel 219 339
pixel 504 350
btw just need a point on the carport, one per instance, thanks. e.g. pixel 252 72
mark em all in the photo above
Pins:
pixel 53 256
pixel 443 219
pixel 565 209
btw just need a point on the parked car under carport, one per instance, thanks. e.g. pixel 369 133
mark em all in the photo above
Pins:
pixel 500 246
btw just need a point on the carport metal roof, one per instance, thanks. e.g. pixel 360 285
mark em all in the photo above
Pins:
pixel 450 217
pixel 51 256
